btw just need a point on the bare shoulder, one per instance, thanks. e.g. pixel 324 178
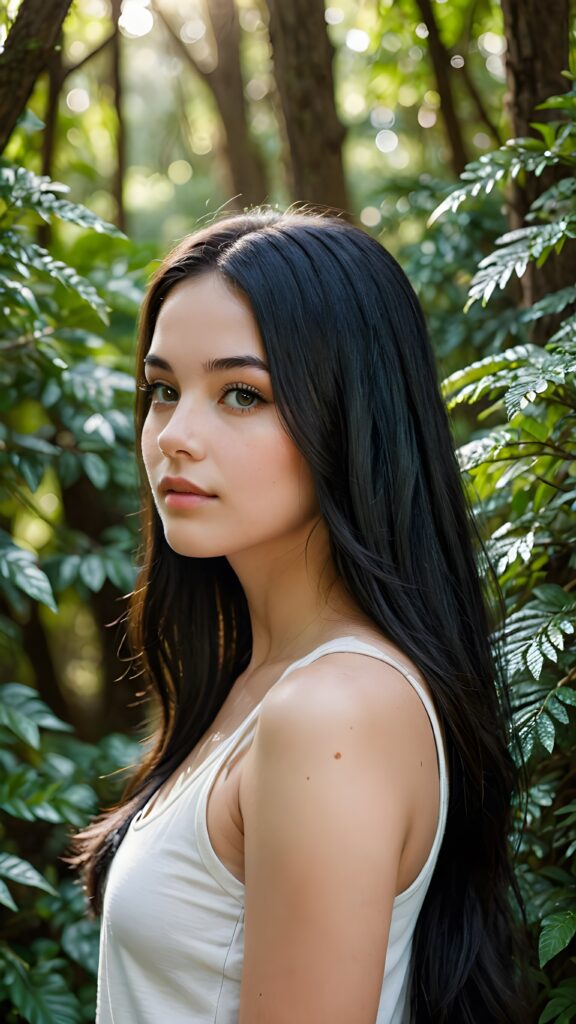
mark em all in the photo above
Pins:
pixel 343 693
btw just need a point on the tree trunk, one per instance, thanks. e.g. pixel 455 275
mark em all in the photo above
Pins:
pixel 247 167
pixel 303 70
pixel 28 47
pixel 440 58
pixel 247 176
pixel 120 169
pixel 55 79
pixel 537 52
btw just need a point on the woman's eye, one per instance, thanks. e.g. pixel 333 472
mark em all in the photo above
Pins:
pixel 243 399
pixel 161 393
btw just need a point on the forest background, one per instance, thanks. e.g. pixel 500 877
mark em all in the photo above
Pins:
pixel 446 129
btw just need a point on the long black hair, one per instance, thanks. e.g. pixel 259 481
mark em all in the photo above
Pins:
pixel 355 384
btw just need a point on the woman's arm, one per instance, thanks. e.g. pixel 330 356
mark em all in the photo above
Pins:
pixel 326 797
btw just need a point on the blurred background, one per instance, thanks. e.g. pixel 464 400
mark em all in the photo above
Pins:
pixel 446 128
pixel 159 113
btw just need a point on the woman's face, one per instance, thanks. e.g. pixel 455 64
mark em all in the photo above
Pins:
pixel 212 425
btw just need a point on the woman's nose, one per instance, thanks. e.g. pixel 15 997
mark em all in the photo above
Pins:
pixel 182 435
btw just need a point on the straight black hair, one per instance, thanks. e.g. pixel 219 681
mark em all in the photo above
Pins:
pixel 355 384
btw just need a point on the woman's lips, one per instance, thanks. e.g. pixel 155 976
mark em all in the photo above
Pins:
pixel 178 492
pixel 186 499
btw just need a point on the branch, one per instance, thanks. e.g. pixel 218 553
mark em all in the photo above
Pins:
pixel 179 43
pixel 477 100
pixel 28 47
pixel 71 68
pixel 441 64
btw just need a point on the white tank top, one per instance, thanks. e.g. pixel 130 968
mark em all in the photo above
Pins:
pixel 172 937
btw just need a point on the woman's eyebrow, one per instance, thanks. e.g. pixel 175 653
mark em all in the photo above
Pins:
pixel 213 365
pixel 151 360
pixel 234 363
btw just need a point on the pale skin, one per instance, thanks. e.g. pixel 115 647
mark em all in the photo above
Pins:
pixel 333 809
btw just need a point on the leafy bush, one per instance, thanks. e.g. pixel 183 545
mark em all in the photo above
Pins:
pixel 65 419
pixel 48 948
pixel 521 471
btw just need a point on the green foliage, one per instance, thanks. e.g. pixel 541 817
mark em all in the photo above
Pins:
pixel 521 474
pixel 553 215
pixel 65 402
pixel 440 262
pixel 48 948
pixel 65 428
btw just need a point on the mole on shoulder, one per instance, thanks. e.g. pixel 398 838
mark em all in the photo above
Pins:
pixel 337 754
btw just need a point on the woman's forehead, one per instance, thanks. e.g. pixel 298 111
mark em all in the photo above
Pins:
pixel 208 319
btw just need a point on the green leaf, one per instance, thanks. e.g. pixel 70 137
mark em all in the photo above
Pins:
pixel 534 659
pixel 31 191
pixel 62 570
pixel 6 898
pixel 557 931
pixel 120 570
pixel 40 994
pixel 566 694
pixel 93 572
pixel 26 700
pixel 96 470
pixel 20 871
pixel 545 731
pixel 554 597
pixel 19 567
pixel 18 723
pixel 558 710
pixel 42 260
pixel 29 123
pixel 80 941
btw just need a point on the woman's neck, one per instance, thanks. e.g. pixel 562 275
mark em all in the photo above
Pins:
pixel 295 598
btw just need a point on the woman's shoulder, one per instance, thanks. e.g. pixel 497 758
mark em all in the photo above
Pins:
pixel 345 690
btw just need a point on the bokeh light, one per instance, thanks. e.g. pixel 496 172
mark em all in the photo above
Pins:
pixel 495 66
pixel 136 20
pixel 192 30
pixel 489 43
pixel 357 40
pixel 370 216
pixel 426 117
pixel 407 95
pixel 180 172
pixel 382 117
pixel 78 101
pixel 386 141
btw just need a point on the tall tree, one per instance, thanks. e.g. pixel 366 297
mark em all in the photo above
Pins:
pixel 57 73
pixel 440 57
pixel 224 79
pixel 28 47
pixel 120 167
pixel 303 69
pixel 537 53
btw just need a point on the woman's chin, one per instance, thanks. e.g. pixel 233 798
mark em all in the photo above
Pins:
pixel 191 550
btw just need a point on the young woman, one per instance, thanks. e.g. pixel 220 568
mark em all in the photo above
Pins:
pixel 319 834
